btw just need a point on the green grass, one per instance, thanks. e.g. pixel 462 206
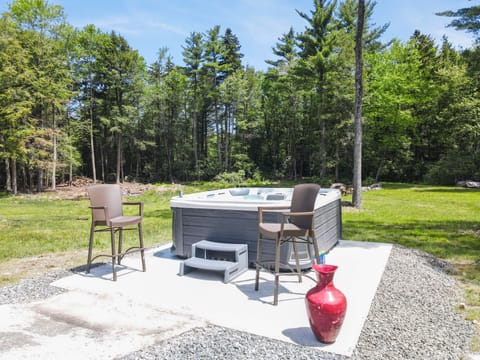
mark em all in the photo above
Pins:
pixel 444 221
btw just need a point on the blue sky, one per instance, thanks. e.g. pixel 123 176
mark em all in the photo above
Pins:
pixel 149 25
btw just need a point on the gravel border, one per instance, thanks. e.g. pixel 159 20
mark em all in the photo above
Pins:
pixel 34 289
pixel 413 316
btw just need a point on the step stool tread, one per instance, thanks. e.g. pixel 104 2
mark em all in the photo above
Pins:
pixel 210 264
pixel 217 246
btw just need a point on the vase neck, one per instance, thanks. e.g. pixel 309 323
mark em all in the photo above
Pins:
pixel 325 274
pixel 324 279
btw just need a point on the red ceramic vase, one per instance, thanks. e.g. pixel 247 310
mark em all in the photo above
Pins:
pixel 326 305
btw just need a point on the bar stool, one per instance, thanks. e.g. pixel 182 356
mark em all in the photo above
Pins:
pixel 296 226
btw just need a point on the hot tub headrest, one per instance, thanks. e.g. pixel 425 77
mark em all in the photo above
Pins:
pixel 239 191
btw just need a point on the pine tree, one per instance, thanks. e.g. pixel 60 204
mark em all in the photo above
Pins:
pixel 316 44
pixel 215 53
pixel 286 50
pixel 232 59
pixel 468 19
pixel 88 68
pixel 193 56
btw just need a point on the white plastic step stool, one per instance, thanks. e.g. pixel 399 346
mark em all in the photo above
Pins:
pixel 208 255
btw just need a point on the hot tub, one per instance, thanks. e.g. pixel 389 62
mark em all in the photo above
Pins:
pixel 231 216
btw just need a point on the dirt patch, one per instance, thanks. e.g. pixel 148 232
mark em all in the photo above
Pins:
pixel 31 267
pixel 77 190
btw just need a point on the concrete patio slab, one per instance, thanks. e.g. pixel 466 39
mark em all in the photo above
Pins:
pixel 96 315
pixel 85 325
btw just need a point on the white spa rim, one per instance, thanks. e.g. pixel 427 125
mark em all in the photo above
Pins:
pixel 247 199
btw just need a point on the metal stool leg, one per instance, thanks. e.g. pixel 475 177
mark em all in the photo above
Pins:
pixel 90 248
pixel 120 241
pixel 312 236
pixel 297 262
pixel 142 251
pixel 277 270
pixel 114 255
pixel 257 263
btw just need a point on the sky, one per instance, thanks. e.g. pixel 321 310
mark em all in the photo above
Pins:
pixel 149 25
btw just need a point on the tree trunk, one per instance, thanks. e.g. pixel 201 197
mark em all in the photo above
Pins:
pixel 337 161
pixel 40 168
pixel 226 134
pixel 102 162
pixel 379 170
pixel 357 151
pixel 137 166
pixel 195 127
pixel 54 163
pixel 40 180
pixel 323 149
pixel 70 165
pixel 70 174
pixel 92 147
pixel 323 129
pixel 27 179
pixel 119 158
pixel 8 177
pixel 14 177
pixel 217 131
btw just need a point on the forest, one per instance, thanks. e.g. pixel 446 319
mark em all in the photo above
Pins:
pixel 82 102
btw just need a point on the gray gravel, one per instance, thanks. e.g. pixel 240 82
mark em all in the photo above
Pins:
pixel 413 316
pixel 32 289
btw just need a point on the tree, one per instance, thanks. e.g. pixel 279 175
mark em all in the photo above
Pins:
pixel 124 80
pixel 286 50
pixel 15 100
pixel 232 59
pixel 231 63
pixel 455 154
pixel 394 84
pixel 43 29
pixel 164 104
pixel 316 44
pixel 427 134
pixel 340 90
pixel 193 58
pixel 468 19
pixel 215 67
pixel 357 154
pixel 88 67
pixel 239 94
pixel 282 110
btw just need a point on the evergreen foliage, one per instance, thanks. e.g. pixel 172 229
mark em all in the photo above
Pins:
pixel 83 102
pixel 466 19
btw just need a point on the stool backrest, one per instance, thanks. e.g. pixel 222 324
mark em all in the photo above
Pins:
pixel 303 200
pixel 109 195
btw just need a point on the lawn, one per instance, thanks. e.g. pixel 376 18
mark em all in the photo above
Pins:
pixel 444 221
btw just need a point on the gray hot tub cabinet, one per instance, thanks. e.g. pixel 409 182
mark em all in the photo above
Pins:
pixel 191 225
